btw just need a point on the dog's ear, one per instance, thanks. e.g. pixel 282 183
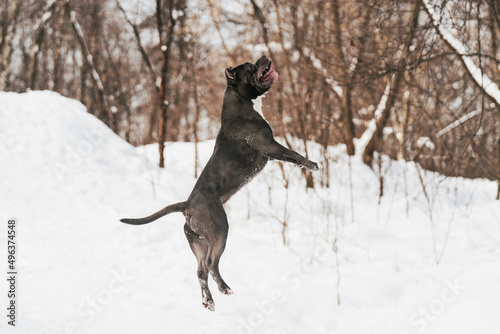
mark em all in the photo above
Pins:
pixel 230 73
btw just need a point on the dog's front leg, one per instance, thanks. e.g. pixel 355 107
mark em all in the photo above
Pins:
pixel 277 151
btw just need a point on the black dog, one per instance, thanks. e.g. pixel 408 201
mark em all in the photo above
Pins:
pixel 243 147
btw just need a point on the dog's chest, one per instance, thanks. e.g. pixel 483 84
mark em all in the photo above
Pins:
pixel 241 157
pixel 239 173
pixel 239 163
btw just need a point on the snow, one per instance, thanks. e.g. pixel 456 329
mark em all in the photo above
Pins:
pixel 459 121
pixel 177 13
pixel 68 179
pixel 258 50
pixel 425 141
pixel 90 62
pixel 45 17
pixel 334 85
pixel 372 126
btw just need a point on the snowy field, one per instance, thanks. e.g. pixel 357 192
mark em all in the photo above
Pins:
pixel 418 262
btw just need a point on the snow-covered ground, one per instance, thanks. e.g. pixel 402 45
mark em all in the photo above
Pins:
pixel 350 264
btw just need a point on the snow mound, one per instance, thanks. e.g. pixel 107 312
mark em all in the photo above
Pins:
pixel 46 135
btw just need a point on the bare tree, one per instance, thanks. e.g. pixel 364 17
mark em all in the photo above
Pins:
pixel 345 77
pixel 475 70
pixel 40 28
pixel 494 11
pixel 392 88
pixel 104 113
pixel 165 47
pixel 10 15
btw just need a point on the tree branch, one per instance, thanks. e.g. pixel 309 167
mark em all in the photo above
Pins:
pixel 96 79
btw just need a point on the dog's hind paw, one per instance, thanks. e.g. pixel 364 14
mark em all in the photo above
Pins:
pixel 209 305
pixel 227 291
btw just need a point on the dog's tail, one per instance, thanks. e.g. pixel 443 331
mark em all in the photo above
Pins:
pixel 177 207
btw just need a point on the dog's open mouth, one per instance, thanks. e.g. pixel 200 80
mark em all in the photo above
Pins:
pixel 266 76
pixel 267 73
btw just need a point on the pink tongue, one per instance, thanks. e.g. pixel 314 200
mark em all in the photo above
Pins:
pixel 268 74
pixel 272 74
pixel 275 77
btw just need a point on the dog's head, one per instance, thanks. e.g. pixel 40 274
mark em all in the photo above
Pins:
pixel 252 80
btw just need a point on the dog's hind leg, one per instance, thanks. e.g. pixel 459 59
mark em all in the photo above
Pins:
pixel 214 257
pixel 200 248
pixel 217 244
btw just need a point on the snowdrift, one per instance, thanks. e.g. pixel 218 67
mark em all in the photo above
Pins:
pixel 349 264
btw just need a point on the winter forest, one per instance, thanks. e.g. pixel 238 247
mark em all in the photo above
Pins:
pixel 415 80
pixel 110 108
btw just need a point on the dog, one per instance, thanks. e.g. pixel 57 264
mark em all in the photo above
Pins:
pixel 243 147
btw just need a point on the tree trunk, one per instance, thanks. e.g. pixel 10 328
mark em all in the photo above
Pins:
pixel 495 35
pixel 102 104
pixel 196 117
pixel 346 104
pixel 8 31
pixel 60 55
pixel 480 79
pixel 394 85
pixel 403 125
pixel 165 47
pixel 38 38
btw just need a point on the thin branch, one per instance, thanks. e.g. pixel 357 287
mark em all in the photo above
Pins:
pixel 39 34
pixel 481 79
pixel 393 87
pixel 218 28
pixel 144 55
pixel 96 79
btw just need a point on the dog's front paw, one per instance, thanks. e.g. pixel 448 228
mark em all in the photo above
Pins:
pixel 312 166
